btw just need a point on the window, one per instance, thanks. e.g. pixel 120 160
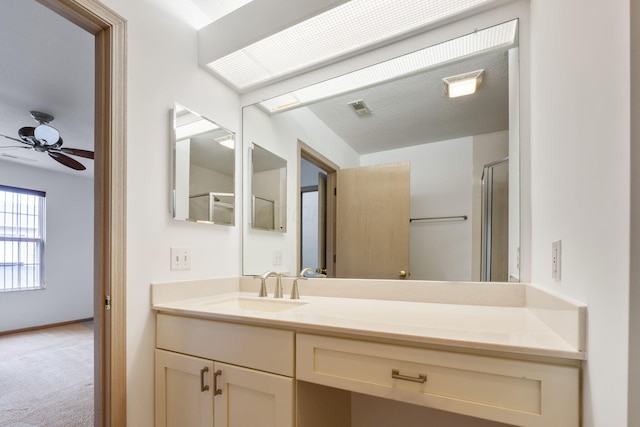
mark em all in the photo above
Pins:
pixel 21 239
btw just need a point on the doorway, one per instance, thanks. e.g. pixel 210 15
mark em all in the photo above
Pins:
pixel 109 31
pixel 316 199
pixel 313 214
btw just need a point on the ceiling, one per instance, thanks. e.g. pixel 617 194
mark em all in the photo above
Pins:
pixel 414 110
pixel 47 66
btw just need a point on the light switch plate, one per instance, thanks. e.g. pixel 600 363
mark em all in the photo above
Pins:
pixel 180 258
pixel 277 257
pixel 556 259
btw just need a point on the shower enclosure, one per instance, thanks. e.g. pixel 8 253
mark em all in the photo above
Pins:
pixel 495 221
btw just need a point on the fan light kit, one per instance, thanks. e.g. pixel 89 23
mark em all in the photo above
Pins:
pixel 462 84
pixel 46 139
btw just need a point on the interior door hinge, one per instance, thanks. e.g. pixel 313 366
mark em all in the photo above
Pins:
pixel 107 303
pixel 335 191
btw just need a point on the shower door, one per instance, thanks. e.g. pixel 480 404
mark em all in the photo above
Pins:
pixel 495 222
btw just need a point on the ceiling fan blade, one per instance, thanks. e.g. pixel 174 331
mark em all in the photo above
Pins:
pixel 15 146
pixel 66 160
pixel 26 132
pixel 12 138
pixel 77 152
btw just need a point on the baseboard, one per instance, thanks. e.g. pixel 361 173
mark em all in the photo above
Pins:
pixel 52 325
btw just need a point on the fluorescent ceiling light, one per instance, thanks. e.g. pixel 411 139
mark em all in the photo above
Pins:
pixel 194 128
pixel 462 84
pixel 480 41
pixel 351 26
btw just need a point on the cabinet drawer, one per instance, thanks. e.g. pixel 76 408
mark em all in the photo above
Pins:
pixel 265 349
pixel 510 391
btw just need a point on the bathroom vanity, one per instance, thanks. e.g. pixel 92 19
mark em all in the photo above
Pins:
pixel 507 352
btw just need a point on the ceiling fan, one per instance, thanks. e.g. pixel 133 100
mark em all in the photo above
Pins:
pixel 46 139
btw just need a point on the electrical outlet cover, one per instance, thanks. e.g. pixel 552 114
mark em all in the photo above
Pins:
pixel 556 259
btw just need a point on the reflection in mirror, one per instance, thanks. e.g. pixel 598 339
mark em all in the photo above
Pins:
pixel 268 190
pixel 375 117
pixel 203 169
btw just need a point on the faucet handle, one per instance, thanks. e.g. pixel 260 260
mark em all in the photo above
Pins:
pixel 295 294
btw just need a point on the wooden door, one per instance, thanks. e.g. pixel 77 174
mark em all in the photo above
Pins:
pixel 183 390
pixel 372 221
pixel 250 398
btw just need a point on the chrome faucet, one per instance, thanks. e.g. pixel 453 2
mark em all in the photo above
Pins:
pixel 295 293
pixel 263 284
pixel 306 270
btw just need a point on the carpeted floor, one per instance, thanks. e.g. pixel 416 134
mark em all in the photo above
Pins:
pixel 46 377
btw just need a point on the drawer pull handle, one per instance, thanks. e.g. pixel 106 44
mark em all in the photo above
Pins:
pixel 421 378
pixel 216 390
pixel 203 387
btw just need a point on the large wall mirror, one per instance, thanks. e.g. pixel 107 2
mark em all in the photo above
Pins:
pixel 203 158
pixel 398 177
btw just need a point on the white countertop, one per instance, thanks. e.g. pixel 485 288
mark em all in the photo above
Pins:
pixel 510 329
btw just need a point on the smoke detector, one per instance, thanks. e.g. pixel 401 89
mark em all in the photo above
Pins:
pixel 361 109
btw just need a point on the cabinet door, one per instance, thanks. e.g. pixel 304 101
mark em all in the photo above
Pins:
pixel 183 390
pixel 249 398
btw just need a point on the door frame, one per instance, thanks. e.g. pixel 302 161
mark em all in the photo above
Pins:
pixel 311 155
pixel 109 30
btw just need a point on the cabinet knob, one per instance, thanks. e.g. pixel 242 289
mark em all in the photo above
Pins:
pixel 402 274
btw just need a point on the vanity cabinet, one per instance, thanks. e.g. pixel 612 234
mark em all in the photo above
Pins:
pixel 214 372
pixel 211 373
pixel 517 392
pixel 183 392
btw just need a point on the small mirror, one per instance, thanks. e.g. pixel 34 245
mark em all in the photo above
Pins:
pixel 203 169
pixel 268 190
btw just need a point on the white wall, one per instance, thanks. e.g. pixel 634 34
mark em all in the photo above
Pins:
pixel 578 166
pixel 440 185
pixel 580 180
pixel 205 180
pixel 68 250
pixel 162 68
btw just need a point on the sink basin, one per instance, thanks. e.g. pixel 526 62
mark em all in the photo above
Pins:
pixel 256 304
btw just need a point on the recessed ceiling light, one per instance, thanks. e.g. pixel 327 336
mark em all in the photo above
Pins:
pixel 462 84
pixel 498 36
pixel 347 28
